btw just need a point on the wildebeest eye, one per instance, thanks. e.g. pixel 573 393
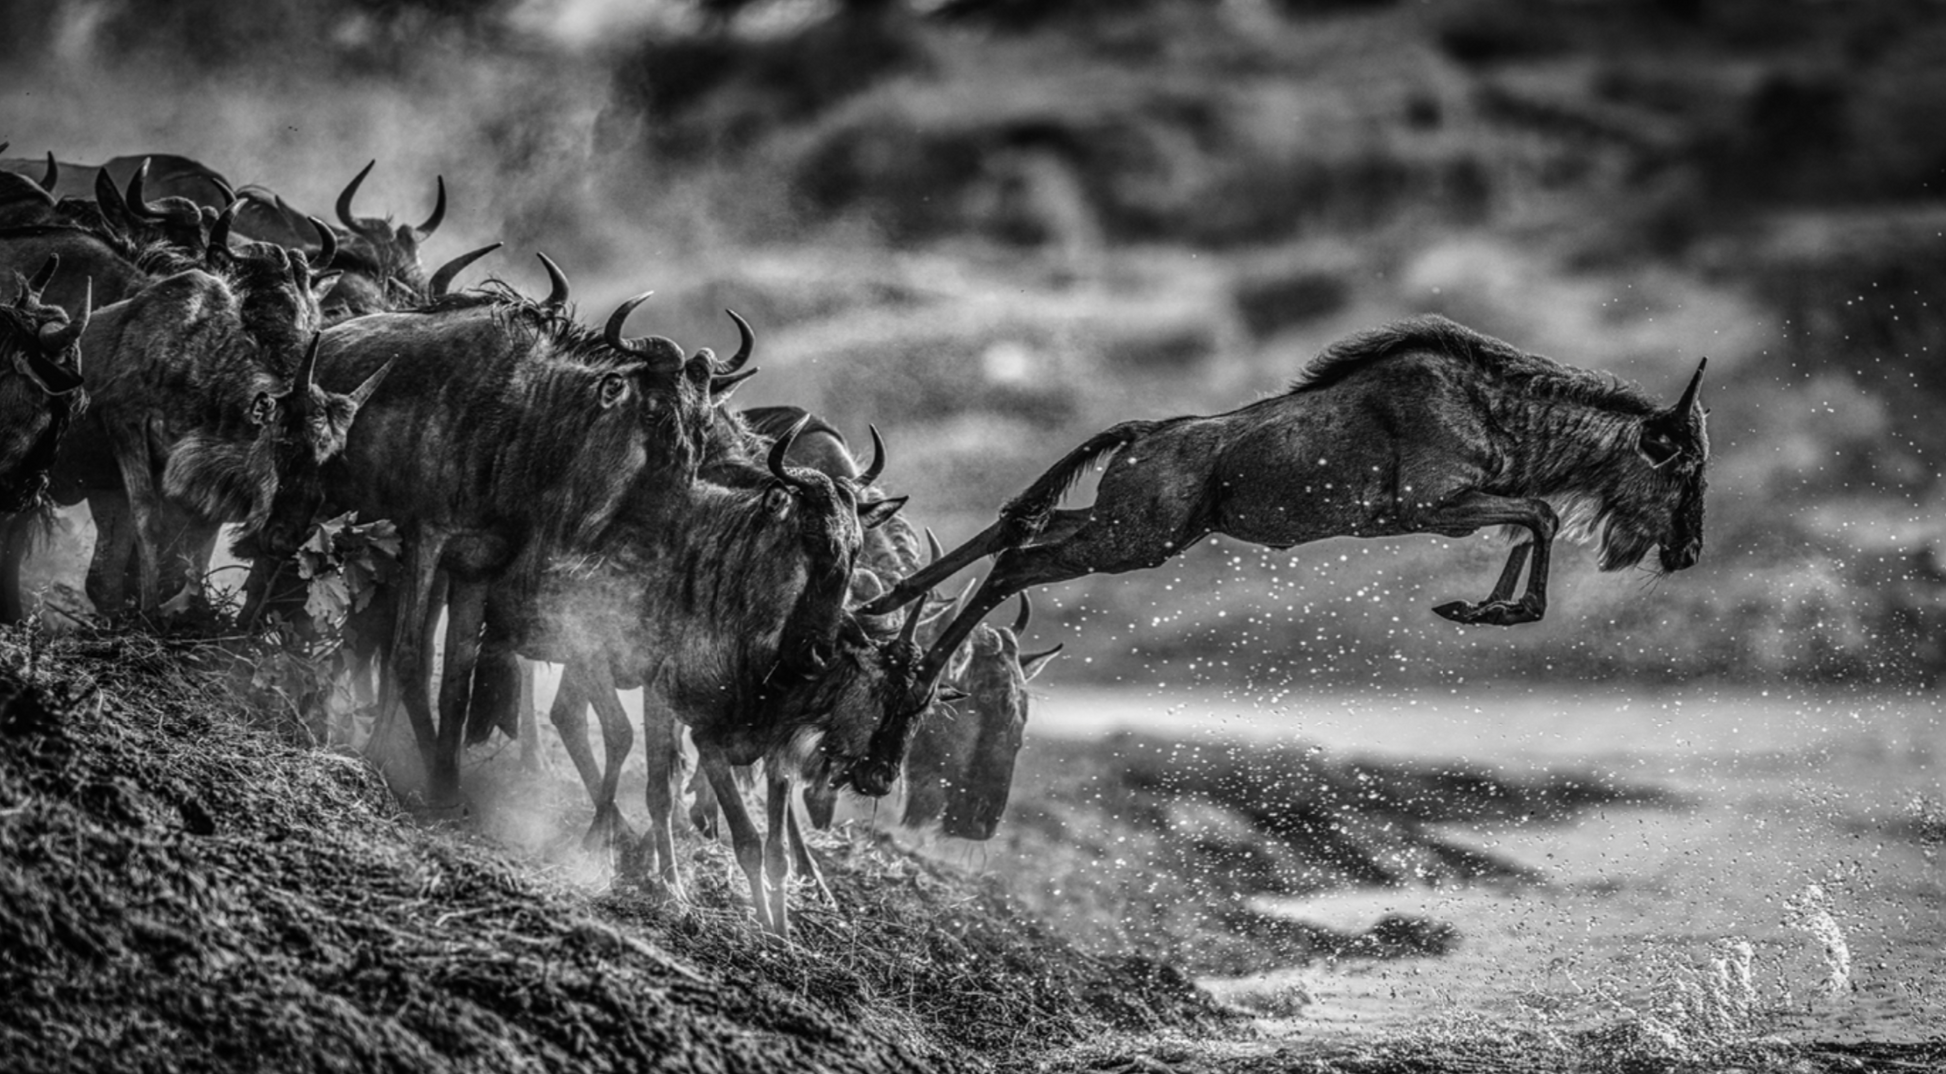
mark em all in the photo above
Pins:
pixel 614 389
pixel 1658 449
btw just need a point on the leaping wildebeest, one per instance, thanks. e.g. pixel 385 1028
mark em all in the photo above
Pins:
pixel 1421 426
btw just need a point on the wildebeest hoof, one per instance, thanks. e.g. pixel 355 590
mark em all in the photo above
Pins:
pixel 608 830
pixel 1489 613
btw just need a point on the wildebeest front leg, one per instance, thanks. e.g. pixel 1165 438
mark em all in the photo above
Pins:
pixel 411 642
pixel 1477 510
pixel 743 832
pixel 16 533
pixel 131 448
pixel 807 863
pixel 662 750
pixel 465 614
pixel 778 820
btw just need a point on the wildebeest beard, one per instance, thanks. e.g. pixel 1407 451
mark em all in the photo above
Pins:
pixel 226 480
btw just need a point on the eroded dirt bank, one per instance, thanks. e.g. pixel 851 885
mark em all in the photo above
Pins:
pixel 184 885
pixel 181 888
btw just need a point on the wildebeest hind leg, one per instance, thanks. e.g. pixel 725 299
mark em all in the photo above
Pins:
pixel 617 738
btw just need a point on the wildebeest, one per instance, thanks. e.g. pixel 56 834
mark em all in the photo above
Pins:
pixel 380 259
pixel 960 768
pixel 40 394
pixel 508 434
pixel 203 400
pixel 1421 426
pixel 726 604
pixel 962 763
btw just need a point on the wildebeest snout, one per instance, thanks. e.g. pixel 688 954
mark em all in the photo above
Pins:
pixel 1682 557
pixel 873 779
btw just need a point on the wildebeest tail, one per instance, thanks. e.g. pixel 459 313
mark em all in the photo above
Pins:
pixel 1025 514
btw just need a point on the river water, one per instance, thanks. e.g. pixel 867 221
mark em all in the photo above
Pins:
pixel 1798 852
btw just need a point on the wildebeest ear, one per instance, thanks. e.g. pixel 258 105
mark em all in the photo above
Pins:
pixel 1658 446
pixel 613 390
pixel 263 409
pixel 875 513
pixel 1032 663
pixel 952 693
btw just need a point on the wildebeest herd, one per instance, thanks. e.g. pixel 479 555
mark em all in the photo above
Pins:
pixel 185 354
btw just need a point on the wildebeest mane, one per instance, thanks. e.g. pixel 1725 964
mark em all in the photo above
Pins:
pixel 156 257
pixel 1532 373
pixel 554 324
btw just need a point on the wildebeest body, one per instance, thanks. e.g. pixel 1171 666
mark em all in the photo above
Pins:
pixel 1422 426
pixel 507 435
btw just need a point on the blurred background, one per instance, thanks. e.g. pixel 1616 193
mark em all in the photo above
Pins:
pixel 993 227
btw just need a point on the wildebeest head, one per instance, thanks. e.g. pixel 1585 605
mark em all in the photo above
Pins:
pixel 303 428
pixel 175 221
pixel 275 286
pixel 882 682
pixel 40 386
pixel 830 521
pixel 1659 503
pixel 961 765
pixel 385 252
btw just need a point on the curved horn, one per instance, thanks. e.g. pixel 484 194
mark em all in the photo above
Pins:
pixel 307 374
pixel 39 283
pixel 364 391
pixel 909 629
pixel 223 188
pixel 219 232
pixel 718 385
pixel 327 244
pixel 1688 399
pixel 782 447
pixel 1028 660
pixel 933 548
pixel 138 204
pixel 109 198
pixel 557 286
pixel 350 192
pixel 438 213
pixel 53 175
pixel 745 340
pixel 442 279
pixel 878 459
pixel 659 350
pixel 57 338
pixel 1026 613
